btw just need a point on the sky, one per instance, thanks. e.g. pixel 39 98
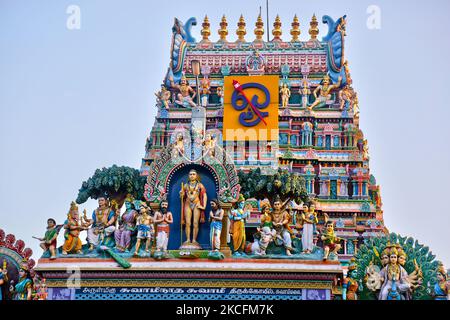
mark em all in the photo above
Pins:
pixel 74 100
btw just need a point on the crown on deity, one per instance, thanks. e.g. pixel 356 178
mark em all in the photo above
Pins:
pixel 183 77
pixel 352 265
pixel 441 270
pixel 327 77
pixel 73 206
pixel 129 198
pixel 241 198
pixel 265 203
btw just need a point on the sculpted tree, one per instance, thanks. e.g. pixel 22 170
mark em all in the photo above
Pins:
pixel 287 184
pixel 114 183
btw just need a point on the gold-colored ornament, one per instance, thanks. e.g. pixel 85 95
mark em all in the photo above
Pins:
pixel 277 29
pixel 241 32
pixel 223 31
pixel 206 32
pixel 313 30
pixel 295 31
pixel 259 30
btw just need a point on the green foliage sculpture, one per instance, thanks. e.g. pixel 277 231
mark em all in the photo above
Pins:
pixel 416 253
pixel 286 184
pixel 115 183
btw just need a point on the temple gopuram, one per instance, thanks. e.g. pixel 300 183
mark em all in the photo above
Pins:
pixel 255 185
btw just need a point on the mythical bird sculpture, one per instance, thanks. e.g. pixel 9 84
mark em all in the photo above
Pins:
pixel 335 55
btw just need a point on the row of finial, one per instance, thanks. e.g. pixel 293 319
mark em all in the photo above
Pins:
pixel 259 30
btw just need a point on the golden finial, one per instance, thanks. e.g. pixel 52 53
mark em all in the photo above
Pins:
pixel 206 32
pixel 277 29
pixel 295 31
pixel 241 32
pixel 259 30
pixel 314 30
pixel 223 31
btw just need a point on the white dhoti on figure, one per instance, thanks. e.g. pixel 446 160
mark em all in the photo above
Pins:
pixel 308 236
pixel 94 234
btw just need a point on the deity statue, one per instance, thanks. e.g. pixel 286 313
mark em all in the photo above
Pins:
pixel 178 145
pixel 205 84
pixel 351 286
pixel 330 240
pixel 215 219
pixel 101 224
pixel 24 287
pixel 238 217
pixel 184 96
pixel 193 203
pixel 220 94
pixel 324 91
pixel 280 222
pixel 394 278
pixel 163 97
pixel 41 291
pixel 146 230
pixel 73 226
pixel 127 225
pixel 285 95
pixel 441 290
pixel 365 150
pixel 305 94
pixel 48 242
pixel 209 144
pixel 163 220
pixel 263 238
pixel 346 98
pixel 266 215
pixel 3 280
pixel 309 220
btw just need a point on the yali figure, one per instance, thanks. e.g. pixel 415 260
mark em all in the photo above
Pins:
pixel 127 225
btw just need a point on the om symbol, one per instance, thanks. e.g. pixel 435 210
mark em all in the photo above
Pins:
pixel 239 102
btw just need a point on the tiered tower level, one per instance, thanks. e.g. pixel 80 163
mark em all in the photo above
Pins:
pixel 324 143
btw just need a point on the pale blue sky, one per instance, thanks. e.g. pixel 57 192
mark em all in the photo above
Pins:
pixel 72 101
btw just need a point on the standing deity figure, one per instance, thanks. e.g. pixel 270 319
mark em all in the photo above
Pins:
pixel 73 226
pixel 178 145
pixel 24 287
pixel 266 216
pixel 215 219
pixel 184 96
pixel 101 224
pixel 220 95
pixel 305 94
pixel 441 290
pixel 394 278
pixel 48 242
pixel 163 97
pixel 309 221
pixel 3 280
pixel 280 222
pixel 323 92
pixel 204 91
pixel 163 220
pixel 346 98
pixel 193 203
pixel 365 150
pixel 146 230
pixel 127 225
pixel 238 217
pixel 209 145
pixel 285 95
pixel 330 241
pixel 351 286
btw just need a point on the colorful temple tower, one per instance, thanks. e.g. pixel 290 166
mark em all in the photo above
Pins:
pixel 318 115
